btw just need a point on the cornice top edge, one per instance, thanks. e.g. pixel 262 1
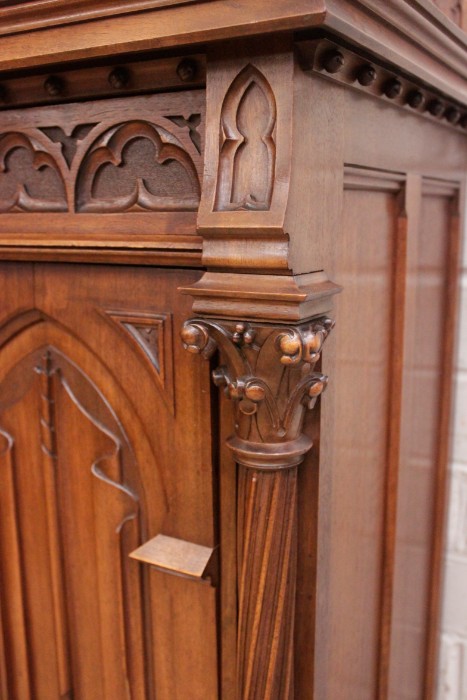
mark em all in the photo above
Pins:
pixel 21 17
pixel 418 22
pixel 412 34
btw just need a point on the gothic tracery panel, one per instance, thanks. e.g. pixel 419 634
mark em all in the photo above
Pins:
pixel 137 166
pixel 31 178
pixel 143 155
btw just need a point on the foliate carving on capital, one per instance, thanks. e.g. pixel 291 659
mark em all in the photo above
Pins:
pixel 268 371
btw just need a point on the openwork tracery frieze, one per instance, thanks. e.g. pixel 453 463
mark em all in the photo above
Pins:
pixel 134 165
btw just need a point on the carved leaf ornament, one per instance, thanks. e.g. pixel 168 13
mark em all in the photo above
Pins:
pixel 267 372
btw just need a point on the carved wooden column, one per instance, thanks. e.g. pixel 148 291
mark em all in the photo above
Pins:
pixel 265 254
pixel 269 372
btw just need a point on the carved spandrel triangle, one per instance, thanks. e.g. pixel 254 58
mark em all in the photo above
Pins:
pixel 151 336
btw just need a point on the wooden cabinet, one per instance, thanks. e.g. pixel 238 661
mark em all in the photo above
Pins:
pixel 268 194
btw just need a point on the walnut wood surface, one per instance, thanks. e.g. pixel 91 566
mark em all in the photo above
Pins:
pixel 376 639
pixel 82 159
pixel 412 34
pixel 268 373
pixel 282 182
pixel 82 448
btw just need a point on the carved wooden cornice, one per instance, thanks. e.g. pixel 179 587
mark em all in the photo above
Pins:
pixel 269 373
pixel 127 78
pixel 337 62
pixel 412 34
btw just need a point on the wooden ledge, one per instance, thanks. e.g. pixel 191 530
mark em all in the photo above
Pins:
pixel 273 456
pixel 287 298
pixel 177 557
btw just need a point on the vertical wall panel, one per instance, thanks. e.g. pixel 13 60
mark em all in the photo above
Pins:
pixel 361 386
pixel 422 450
pixel 452 683
pixel 390 407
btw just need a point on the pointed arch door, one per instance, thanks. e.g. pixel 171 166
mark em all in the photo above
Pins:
pixel 90 467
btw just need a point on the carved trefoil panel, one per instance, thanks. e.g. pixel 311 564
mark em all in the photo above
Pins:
pixel 31 175
pixel 144 155
pixel 247 144
pixel 137 165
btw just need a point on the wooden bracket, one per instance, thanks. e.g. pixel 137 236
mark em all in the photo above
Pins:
pixel 177 557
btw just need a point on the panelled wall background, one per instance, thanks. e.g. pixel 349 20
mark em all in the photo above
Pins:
pixel 453 660
pixel 397 254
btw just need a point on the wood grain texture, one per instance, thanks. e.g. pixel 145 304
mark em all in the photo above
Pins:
pixel 178 557
pixel 247 156
pixel 441 478
pixel 267 559
pixel 358 500
pixel 432 281
pixel 100 642
pixel 391 84
pixel 128 78
pixel 327 581
pixel 50 168
pixel 38 12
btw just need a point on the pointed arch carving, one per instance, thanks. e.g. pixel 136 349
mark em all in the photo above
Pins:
pixel 247 154
pixel 90 512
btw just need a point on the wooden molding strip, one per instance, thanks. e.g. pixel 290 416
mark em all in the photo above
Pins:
pixel 357 178
pixel 26 16
pixel 121 80
pixel 412 34
pixel 336 62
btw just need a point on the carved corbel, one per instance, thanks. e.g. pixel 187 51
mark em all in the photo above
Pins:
pixel 269 372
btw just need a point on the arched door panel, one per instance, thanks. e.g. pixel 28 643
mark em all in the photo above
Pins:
pixel 73 519
pixel 96 458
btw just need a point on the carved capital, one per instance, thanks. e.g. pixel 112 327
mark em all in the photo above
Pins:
pixel 269 372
